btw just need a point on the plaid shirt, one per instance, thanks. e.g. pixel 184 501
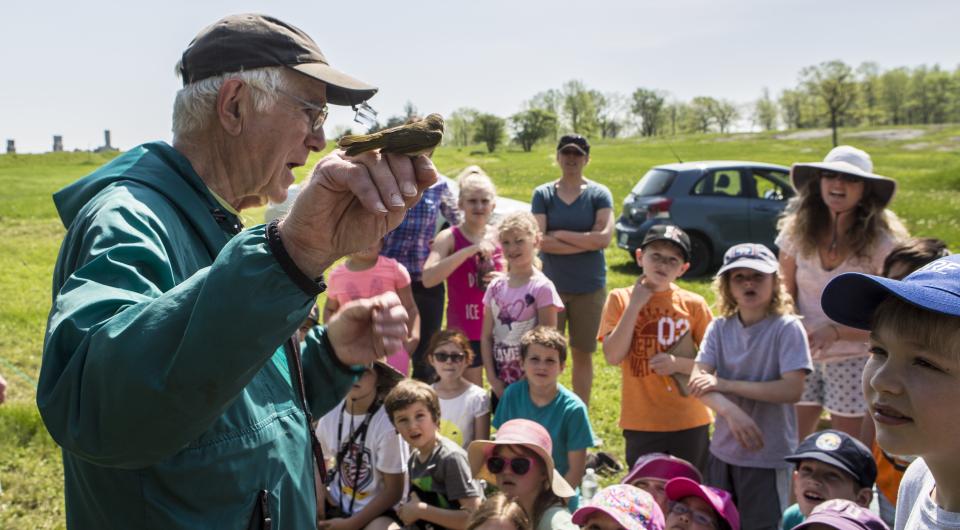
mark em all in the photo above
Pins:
pixel 410 242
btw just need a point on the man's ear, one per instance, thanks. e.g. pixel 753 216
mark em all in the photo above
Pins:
pixel 230 105
pixel 864 497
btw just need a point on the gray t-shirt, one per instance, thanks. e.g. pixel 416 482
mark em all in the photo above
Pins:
pixel 915 507
pixel 761 352
pixel 444 478
pixel 584 272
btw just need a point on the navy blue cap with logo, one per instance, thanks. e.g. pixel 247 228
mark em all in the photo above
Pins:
pixel 840 450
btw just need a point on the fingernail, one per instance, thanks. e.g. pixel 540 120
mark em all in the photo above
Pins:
pixel 380 207
pixel 409 190
pixel 396 199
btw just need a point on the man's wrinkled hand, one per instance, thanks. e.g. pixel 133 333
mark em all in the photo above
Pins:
pixel 349 203
pixel 367 329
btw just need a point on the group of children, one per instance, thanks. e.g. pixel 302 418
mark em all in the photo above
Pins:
pixel 683 370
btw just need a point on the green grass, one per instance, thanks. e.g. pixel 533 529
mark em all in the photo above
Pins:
pixel 927 169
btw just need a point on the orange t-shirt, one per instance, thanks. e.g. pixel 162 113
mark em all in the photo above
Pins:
pixel 651 402
pixel 889 473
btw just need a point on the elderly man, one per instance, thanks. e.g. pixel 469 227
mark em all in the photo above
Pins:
pixel 168 375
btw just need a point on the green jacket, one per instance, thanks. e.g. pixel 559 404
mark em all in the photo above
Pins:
pixel 164 375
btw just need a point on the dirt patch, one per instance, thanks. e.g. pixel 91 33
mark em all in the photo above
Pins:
pixel 917 146
pixel 889 135
pixel 812 134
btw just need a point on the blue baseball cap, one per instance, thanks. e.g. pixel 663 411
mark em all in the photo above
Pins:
pixel 851 298
pixel 751 256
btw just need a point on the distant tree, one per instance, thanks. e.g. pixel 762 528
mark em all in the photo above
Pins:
pixel 550 101
pixel 724 112
pixel 341 130
pixel 894 94
pixel 531 126
pixel 579 108
pixel 611 115
pixel 489 129
pixel 394 121
pixel 929 95
pixel 459 126
pixel 675 115
pixel 409 111
pixel 765 112
pixel 648 107
pixel 834 83
pixel 868 108
pixel 701 113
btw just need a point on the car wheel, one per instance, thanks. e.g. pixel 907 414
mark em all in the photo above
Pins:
pixel 701 257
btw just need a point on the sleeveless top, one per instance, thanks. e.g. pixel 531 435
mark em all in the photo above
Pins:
pixel 465 288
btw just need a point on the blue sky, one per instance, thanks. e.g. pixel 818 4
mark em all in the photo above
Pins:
pixel 77 68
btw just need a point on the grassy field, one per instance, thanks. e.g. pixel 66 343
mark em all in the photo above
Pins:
pixel 927 168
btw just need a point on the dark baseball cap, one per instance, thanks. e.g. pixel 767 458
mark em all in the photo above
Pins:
pixel 851 298
pixel 839 450
pixel 671 233
pixel 576 141
pixel 248 41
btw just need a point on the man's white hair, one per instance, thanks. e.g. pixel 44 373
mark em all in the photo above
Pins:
pixel 196 102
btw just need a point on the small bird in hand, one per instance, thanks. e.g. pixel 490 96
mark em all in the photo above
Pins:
pixel 416 138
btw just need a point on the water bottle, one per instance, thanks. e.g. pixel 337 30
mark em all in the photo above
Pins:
pixel 589 485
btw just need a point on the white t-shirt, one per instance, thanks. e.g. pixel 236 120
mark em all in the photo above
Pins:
pixel 383 452
pixel 915 507
pixel 457 415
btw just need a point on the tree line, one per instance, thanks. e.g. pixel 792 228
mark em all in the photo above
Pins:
pixel 830 94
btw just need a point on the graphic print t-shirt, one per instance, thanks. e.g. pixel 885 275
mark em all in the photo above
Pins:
pixel 651 402
pixel 514 312
pixel 382 450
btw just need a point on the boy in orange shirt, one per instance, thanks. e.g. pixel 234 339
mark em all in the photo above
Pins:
pixel 640 323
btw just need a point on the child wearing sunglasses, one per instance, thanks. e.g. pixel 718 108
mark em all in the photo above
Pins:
pixel 464 406
pixel 697 507
pixel 519 463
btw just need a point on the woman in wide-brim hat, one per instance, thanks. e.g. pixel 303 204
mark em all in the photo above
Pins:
pixel 838 222
pixel 519 463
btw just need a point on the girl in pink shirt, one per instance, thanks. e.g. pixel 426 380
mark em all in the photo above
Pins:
pixel 467 256
pixel 365 274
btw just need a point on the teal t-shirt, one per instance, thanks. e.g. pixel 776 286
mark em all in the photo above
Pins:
pixel 792 517
pixel 565 418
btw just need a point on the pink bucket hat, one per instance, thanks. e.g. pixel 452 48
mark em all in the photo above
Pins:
pixel 529 434
pixel 719 500
pixel 631 507
pixel 663 467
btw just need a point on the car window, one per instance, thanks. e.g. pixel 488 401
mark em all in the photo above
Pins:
pixel 655 182
pixel 772 185
pixel 723 182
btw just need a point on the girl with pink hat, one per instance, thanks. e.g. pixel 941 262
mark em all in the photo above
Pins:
pixel 518 462
pixel 697 507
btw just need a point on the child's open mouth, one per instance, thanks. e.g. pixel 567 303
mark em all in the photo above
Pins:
pixel 813 496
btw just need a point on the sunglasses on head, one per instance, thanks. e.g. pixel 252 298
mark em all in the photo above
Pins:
pixel 845 177
pixel 452 357
pixel 519 466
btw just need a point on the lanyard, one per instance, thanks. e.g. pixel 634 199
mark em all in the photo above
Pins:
pixel 361 433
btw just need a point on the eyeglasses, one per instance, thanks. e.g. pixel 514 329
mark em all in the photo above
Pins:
pixel 451 357
pixel 317 113
pixel 845 177
pixel 519 466
pixel 700 518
